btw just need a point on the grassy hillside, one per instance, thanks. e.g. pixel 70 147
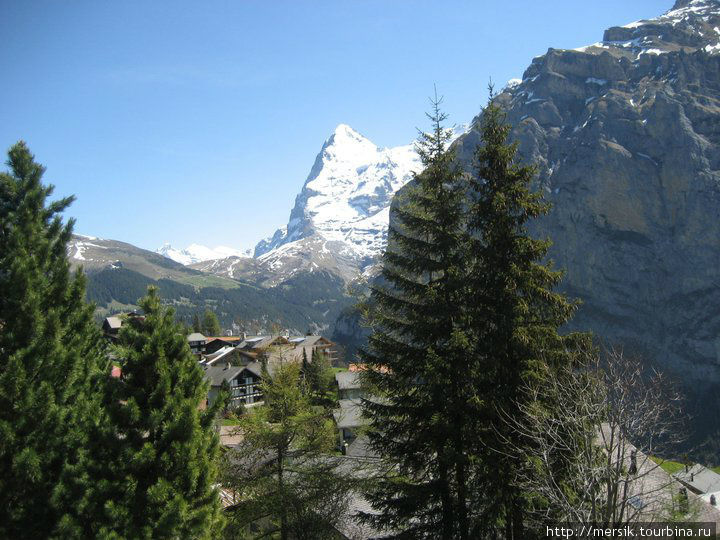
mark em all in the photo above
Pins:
pixel 305 301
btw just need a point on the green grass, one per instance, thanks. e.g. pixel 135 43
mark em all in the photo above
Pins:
pixel 670 467
pixel 338 369
pixel 209 281
pixel 114 307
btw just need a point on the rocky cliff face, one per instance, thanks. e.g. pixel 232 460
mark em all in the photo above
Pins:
pixel 626 136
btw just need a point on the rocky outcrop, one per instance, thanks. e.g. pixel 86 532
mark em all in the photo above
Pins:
pixel 626 136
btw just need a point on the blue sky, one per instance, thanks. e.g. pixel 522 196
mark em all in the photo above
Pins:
pixel 198 122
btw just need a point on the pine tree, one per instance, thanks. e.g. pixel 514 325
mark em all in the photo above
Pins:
pixel 164 451
pixel 304 365
pixel 196 326
pixel 418 354
pixel 319 378
pixel 50 354
pixel 289 482
pixel 210 324
pixel 515 314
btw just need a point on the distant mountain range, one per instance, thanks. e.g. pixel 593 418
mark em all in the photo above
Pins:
pixel 118 274
pixel 196 253
pixel 336 230
pixel 626 136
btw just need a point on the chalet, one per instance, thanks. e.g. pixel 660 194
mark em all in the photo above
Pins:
pixel 244 383
pixel 312 343
pixel 277 349
pixel 197 342
pixel 253 348
pixel 348 385
pixel 213 344
pixel 111 327
pixel 348 419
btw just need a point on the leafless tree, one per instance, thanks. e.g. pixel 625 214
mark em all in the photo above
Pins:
pixel 589 434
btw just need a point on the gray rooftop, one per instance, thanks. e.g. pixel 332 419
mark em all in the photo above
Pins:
pixel 196 336
pixel 349 415
pixel 360 448
pixel 219 354
pixel 347 380
pixel 700 478
pixel 216 375
pixel 255 368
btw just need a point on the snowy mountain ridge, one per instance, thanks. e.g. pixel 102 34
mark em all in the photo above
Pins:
pixel 688 26
pixel 196 253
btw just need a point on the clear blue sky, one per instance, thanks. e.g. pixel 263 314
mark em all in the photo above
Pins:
pixel 198 122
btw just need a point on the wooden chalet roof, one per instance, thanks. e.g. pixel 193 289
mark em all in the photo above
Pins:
pixel 228 339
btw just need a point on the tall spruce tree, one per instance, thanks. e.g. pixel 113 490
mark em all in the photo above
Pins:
pixel 210 324
pixel 515 315
pixel 419 355
pixel 162 449
pixel 50 353
pixel 319 378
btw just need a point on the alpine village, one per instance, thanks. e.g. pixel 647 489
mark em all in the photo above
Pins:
pixel 504 330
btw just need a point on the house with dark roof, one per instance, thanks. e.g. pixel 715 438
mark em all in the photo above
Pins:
pixel 197 342
pixel 244 383
pixel 349 418
pixel 214 343
pixel 111 325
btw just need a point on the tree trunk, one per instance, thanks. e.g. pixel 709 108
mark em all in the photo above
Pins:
pixel 281 488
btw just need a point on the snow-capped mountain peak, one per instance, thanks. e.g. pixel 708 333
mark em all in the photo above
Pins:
pixel 340 218
pixel 347 194
pixel 195 253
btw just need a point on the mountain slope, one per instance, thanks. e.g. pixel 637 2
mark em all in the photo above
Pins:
pixel 96 253
pixel 119 273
